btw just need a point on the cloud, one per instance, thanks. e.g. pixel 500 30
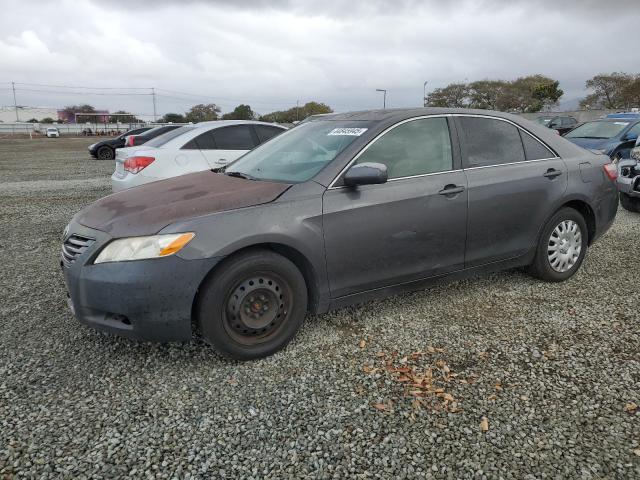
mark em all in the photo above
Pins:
pixel 272 53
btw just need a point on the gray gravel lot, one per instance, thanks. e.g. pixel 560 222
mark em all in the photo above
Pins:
pixel 554 369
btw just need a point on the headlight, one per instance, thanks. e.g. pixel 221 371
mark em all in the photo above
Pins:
pixel 139 248
pixel 635 153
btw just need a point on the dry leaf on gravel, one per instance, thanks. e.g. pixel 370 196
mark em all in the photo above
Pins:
pixel 631 407
pixel 484 424
pixel 637 452
pixel 363 343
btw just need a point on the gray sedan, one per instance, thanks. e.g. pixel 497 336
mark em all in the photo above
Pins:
pixel 338 210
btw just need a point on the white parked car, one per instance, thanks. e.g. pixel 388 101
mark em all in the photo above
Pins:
pixel 191 148
pixel 52 132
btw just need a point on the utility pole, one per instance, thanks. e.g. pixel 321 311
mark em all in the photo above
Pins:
pixel 297 106
pixel 384 98
pixel 15 103
pixel 153 95
pixel 424 93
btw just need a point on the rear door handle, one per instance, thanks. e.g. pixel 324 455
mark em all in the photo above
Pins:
pixel 552 173
pixel 451 190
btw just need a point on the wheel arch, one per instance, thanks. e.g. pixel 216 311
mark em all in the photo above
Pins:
pixel 308 271
pixel 587 213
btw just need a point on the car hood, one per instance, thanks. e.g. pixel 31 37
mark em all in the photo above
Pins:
pixel 592 143
pixel 147 209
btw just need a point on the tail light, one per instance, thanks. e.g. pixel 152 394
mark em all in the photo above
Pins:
pixel 130 141
pixel 137 164
pixel 611 169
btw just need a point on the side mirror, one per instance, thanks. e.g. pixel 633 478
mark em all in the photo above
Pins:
pixel 630 136
pixel 367 173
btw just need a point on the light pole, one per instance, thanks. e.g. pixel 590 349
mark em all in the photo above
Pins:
pixel 384 98
pixel 424 93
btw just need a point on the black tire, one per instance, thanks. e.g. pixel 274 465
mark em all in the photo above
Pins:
pixel 542 267
pixel 632 204
pixel 105 153
pixel 252 305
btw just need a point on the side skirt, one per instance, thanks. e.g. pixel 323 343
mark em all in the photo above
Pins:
pixel 384 292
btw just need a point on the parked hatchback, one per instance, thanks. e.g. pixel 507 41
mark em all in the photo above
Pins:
pixel 611 136
pixel 106 149
pixel 192 148
pixel 338 210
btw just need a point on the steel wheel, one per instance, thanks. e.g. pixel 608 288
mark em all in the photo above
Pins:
pixel 104 153
pixel 257 308
pixel 565 245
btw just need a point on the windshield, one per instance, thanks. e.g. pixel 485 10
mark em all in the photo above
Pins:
pixel 597 130
pixel 160 140
pixel 298 154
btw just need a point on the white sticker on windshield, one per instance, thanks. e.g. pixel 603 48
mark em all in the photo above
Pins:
pixel 621 123
pixel 354 132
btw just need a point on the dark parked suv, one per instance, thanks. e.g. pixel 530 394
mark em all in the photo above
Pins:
pixel 340 209
pixel 562 124
pixel 106 149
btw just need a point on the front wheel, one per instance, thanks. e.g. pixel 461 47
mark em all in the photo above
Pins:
pixel 562 247
pixel 252 305
pixel 631 204
pixel 106 153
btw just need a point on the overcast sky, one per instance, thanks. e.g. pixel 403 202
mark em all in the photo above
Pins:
pixel 271 53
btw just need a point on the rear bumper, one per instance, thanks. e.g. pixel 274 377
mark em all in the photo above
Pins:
pixel 144 300
pixel 119 183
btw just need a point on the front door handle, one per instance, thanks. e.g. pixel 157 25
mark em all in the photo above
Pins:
pixel 552 173
pixel 451 189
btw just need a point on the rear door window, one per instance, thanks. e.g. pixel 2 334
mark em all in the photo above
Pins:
pixel 265 132
pixel 236 137
pixel 204 141
pixel 487 141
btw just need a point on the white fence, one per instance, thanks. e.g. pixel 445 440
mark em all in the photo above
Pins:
pixel 71 128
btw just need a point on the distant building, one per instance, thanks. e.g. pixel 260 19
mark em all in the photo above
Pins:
pixel 8 113
pixel 100 116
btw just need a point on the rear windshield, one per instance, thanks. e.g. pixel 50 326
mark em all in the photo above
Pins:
pixel 597 130
pixel 300 153
pixel 160 140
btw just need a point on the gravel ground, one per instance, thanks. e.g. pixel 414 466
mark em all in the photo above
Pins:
pixel 512 378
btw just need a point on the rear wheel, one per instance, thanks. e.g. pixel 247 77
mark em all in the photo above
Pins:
pixel 105 153
pixel 562 247
pixel 253 305
pixel 629 203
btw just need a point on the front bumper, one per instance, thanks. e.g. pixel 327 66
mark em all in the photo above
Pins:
pixel 143 299
pixel 628 181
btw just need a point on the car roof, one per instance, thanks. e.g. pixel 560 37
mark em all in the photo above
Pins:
pixel 226 123
pixel 400 113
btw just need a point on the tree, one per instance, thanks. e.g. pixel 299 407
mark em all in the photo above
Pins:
pixel 33 120
pixel 485 94
pixel 241 112
pixel 173 118
pixel 525 94
pixel 47 120
pixel 454 95
pixel 610 90
pixel 68 113
pixel 530 94
pixel 297 113
pixel 202 113
pixel 124 117
pixel 631 93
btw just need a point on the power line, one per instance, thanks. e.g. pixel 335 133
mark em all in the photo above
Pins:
pixel 82 87
pixel 82 93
